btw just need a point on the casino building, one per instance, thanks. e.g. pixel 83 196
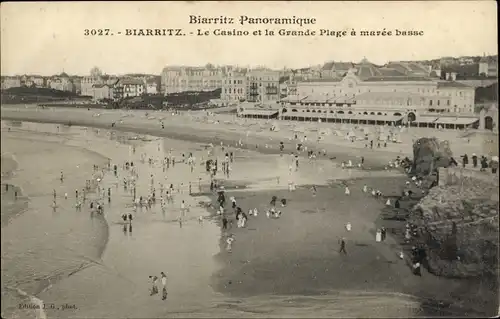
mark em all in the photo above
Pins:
pixel 367 94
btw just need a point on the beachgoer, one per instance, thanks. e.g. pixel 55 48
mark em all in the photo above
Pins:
pixel 348 226
pixel 183 208
pixel 474 160
pixel 342 246
pixel 229 242
pixel 164 285
pixel 255 212
pixel 383 233
pixel 154 285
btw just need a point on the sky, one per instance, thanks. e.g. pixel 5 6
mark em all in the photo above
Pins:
pixel 46 38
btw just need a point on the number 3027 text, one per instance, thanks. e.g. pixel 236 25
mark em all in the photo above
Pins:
pixel 97 32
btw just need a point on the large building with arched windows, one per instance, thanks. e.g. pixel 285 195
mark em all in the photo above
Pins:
pixel 368 94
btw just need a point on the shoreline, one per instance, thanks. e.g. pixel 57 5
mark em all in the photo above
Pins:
pixel 32 289
pixel 197 138
pixel 375 158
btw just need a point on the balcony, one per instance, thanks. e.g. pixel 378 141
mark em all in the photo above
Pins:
pixel 271 90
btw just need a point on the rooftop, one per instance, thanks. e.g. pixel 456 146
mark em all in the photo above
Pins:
pixel 379 95
pixel 451 84
pixel 390 72
pixel 396 78
pixel 127 81
pixel 323 80
pixel 98 86
pixel 408 68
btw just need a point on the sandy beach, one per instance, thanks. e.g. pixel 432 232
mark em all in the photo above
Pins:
pixel 226 128
pixel 278 267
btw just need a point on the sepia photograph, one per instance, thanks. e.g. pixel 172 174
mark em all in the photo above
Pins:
pixel 249 159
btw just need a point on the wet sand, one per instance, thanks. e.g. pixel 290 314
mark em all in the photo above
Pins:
pixel 298 254
pixel 306 235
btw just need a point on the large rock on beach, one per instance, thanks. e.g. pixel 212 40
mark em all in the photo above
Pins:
pixel 429 154
pixel 459 226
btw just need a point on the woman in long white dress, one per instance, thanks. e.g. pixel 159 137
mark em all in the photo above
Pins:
pixel 378 236
pixel 348 226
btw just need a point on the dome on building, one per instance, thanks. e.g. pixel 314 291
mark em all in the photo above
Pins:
pixel 95 72
pixel 63 75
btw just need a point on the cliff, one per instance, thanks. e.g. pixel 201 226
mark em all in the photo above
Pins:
pixel 429 154
pixel 458 225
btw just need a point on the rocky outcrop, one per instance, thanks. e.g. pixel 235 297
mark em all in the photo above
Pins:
pixel 458 225
pixel 429 154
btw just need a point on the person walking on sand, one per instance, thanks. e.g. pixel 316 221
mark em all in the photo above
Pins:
pixel 342 246
pixel 164 286
pixel 183 208
pixel 154 285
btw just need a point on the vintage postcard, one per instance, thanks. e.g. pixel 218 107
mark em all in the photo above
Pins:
pixel 234 159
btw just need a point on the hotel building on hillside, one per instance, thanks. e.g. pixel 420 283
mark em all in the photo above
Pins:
pixel 181 79
pixel 151 86
pixel 96 79
pixel 10 82
pixel 488 66
pixel 61 82
pixel 128 87
pixel 102 91
pixel 32 81
pixel 381 95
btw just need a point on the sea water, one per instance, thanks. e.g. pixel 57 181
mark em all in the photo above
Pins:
pixel 95 264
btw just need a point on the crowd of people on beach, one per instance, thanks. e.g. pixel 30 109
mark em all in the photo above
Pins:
pixel 219 166
pixel 483 162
